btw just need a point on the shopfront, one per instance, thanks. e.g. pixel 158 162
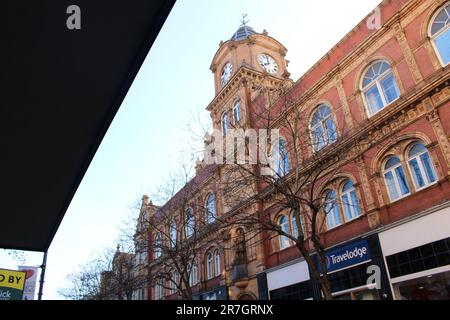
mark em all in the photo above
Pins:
pixel 417 255
pixel 220 293
pixel 289 282
pixel 356 271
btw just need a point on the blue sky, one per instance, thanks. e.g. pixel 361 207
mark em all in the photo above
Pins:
pixel 144 141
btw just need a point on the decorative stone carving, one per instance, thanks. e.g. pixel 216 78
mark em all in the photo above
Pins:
pixel 407 52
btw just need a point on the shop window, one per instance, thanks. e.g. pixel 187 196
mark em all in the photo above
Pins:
pixel 421 167
pixel 431 287
pixel 426 257
pixel 379 87
pixel 440 34
pixel 395 178
pixel 298 291
pixel 323 128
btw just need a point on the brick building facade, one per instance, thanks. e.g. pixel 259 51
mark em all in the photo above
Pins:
pixel 388 87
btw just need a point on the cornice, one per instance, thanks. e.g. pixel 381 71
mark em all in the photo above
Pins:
pixel 243 73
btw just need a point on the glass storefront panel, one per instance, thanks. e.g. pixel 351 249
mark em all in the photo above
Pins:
pixel 433 287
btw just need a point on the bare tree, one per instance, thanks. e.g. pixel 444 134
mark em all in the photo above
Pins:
pixel 174 234
pixel 111 276
pixel 288 173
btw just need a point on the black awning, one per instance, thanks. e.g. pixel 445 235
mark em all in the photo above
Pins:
pixel 60 90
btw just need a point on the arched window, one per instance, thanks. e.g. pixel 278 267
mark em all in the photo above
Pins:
pixel 421 167
pixel 190 223
pixel 350 201
pixel 237 112
pixel 224 123
pixel 379 87
pixel 323 128
pixel 158 246
pixel 172 282
pixel 173 234
pixel 175 283
pixel 281 159
pixel 284 225
pixel 209 266
pixel 159 289
pixel 217 263
pixel 395 178
pixel 294 226
pixel 193 275
pixel 440 33
pixel 331 210
pixel 210 208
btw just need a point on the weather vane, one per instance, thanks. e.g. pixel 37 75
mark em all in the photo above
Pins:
pixel 243 20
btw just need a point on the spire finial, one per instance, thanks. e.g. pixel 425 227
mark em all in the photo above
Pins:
pixel 244 20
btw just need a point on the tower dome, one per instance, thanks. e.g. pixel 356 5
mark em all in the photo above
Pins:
pixel 243 33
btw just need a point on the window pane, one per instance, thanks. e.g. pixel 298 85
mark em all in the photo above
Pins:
pixel 237 112
pixel 294 227
pixel 390 88
pixel 337 217
pixel 331 130
pixel 441 20
pixel 225 124
pixel 330 221
pixel 374 101
pixel 347 186
pixel 347 207
pixel 391 162
pixel 402 180
pixel 210 209
pixel 417 175
pixel 417 149
pixel 443 46
pixel 318 135
pixel 429 169
pixel 391 185
pixel 355 203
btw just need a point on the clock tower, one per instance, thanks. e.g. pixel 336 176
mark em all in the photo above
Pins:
pixel 243 65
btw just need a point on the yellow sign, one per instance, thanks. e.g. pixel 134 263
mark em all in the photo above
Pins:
pixel 12 279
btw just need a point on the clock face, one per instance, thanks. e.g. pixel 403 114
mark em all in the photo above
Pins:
pixel 226 73
pixel 268 63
